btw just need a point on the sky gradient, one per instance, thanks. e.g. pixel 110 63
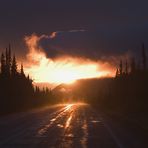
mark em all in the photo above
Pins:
pixel 91 29
pixel 112 25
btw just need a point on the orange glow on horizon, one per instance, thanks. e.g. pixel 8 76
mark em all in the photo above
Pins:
pixel 63 69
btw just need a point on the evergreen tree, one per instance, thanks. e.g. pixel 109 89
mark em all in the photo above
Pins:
pixel 120 68
pixel 117 72
pixel 8 61
pixel 28 77
pixel 126 67
pixel 3 63
pixel 14 67
pixel 47 90
pixel 9 58
pixel 22 70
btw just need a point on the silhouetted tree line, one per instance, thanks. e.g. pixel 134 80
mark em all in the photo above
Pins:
pixel 16 89
pixel 126 93
pixel 129 89
pixel 132 67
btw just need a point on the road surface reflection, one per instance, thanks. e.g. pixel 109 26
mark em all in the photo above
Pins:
pixel 65 119
pixel 57 116
pixel 75 125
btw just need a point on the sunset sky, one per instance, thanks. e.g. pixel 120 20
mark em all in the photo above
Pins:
pixel 90 32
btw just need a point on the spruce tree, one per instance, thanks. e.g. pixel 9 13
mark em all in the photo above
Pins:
pixel 126 67
pixel 22 70
pixel 117 72
pixel 121 67
pixel 9 58
pixel 8 61
pixel 14 67
pixel 3 64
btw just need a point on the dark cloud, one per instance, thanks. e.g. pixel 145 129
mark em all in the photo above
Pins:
pixel 95 44
pixel 113 27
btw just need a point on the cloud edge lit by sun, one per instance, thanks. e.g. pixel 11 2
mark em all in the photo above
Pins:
pixel 65 69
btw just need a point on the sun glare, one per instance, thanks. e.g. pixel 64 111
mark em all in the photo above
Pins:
pixel 65 76
pixel 61 70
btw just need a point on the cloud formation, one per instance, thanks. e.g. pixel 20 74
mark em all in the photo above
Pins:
pixel 90 44
pixel 63 69
pixel 120 25
pixel 56 33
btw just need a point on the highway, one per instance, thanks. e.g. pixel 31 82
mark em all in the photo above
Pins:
pixel 67 126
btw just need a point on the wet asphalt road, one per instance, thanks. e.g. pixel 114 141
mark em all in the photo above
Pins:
pixel 66 126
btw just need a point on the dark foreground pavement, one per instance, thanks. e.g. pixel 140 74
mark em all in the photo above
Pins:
pixel 67 126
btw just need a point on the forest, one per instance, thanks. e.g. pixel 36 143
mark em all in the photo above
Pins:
pixel 17 92
pixel 125 94
pixel 123 97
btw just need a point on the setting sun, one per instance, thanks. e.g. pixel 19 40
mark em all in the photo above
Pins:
pixel 63 69
pixel 62 72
